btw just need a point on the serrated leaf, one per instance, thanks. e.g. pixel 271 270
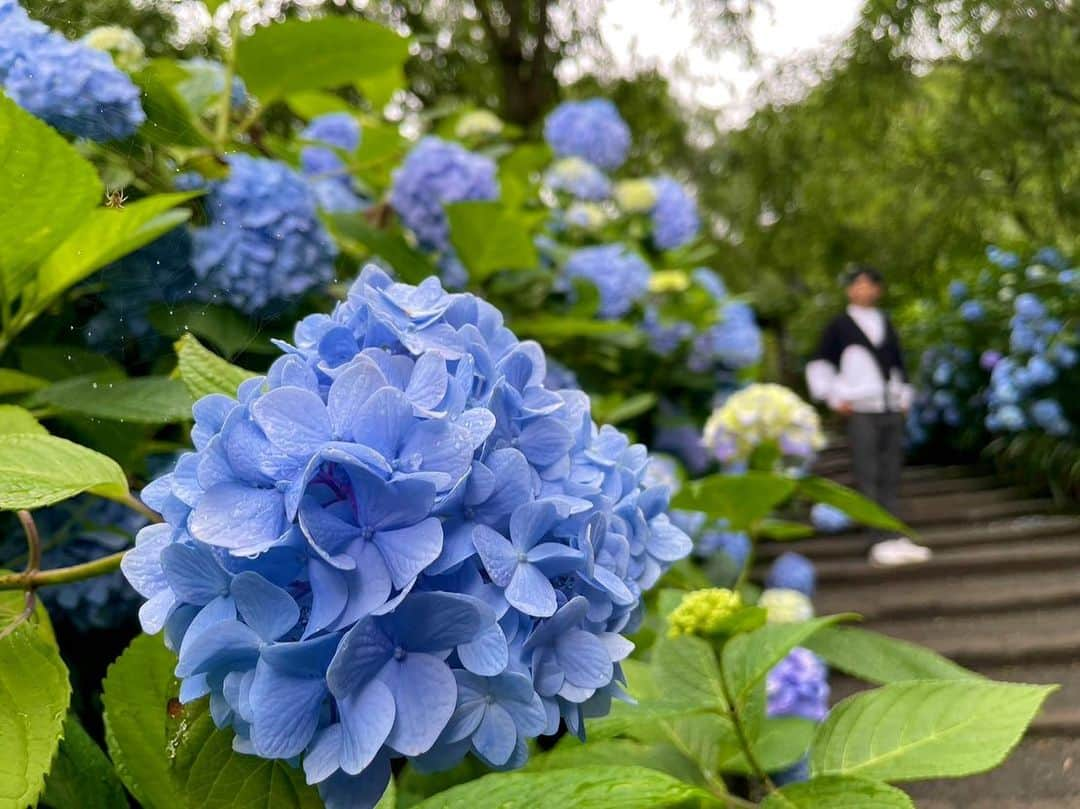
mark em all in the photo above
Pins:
pixel 321 54
pixel 836 792
pixel 740 499
pixel 880 659
pixel 12 604
pixel 685 670
pixel 48 189
pixel 82 774
pixel 106 235
pixel 34 698
pixel 38 470
pixel 149 400
pixel 204 372
pixel 780 742
pixel 585 788
pixel 859 508
pixel 15 420
pixel 12 381
pixel 138 688
pixel 925 729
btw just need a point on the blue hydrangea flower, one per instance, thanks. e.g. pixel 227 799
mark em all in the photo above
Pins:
pixel 793 571
pixel 1002 258
pixel 958 291
pixel 579 178
pixel 718 538
pixel 829 519
pixel 1048 414
pixel 592 130
pixel 400 543
pixel 675 219
pixel 735 341
pixel 263 243
pixel 559 376
pixel 323 165
pixel 205 81
pixel 1029 307
pixel 436 173
pixel 619 273
pixel 798 686
pixel 972 311
pixel 69 85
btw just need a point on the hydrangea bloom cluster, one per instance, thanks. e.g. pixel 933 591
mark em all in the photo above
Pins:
pixel 263 243
pixel 435 173
pixel 786 606
pixel 619 273
pixel 323 165
pixel 400 543
pixel 675 220
pixel 798 686
pixel 793 571
pixel 579 179
pixel 829 519
pixel 592 130
pixel 703 612
pixel 764 417
pixel 82 530
pixel 635 196
pixel 120 43
pixel 478 124
pixel 69 85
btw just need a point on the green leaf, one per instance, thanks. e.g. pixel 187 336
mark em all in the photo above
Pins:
pixel 204 372
pixel 106 235
pixel 139 689
pixel 686 671
pixel 878 658
pixel 379 89
pixel 82 774
pixel 56 362
pixel 224 327
pixel 313 103
pixel 570 754
pixel 15 420
pixel 38 470
pixel 859 508
pixel 12 381
pixel 169 119
pixel 613 409
pixel 780 743
pixel 784 530
pixel 925 729
pixel 148 400
pixel 748 658
pixel 320 54
pixel 488 237
pixel 353 232
pixel 34 697
pixel 48 190
pixel 585 788
pixel 553 329
pixel 741 499
pixel 836 792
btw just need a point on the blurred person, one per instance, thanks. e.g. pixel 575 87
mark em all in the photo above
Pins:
pixel 858 372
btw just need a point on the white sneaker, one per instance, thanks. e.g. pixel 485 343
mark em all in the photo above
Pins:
pixel 900 551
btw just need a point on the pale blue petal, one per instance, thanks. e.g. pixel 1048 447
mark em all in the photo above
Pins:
pixel 367 718
pixel 488 654
pixel 265 607
pixel 286 711
pixel 238 517
pixel 584 659
pixel 194 573
pixel 425 694
pixel 294 419
pixel 407 551
pixel 363 651
pixel 499 556
pixel 496 737
pixel 531 592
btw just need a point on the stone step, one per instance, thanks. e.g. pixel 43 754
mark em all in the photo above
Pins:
pixel 986 593
pixel 926 512
pixel 855 544
pixel 1010 556
pixel 1042 773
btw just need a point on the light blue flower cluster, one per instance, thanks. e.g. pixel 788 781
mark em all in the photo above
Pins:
pixel 323 165
pixel 579 179
pixel 829 519
pixel 592 130
pixel 793 571
pixel 69 85
pixel 263 244
pixel 619 273
pixel 675 220
pixel 435 173
pixel 400 543
pixel 947 391
pixel 798 686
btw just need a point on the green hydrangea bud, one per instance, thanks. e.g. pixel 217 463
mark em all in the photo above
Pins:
pixel 785 606
pixel 703 612
pixel 120 43
pixel 478 123
pixel 635 196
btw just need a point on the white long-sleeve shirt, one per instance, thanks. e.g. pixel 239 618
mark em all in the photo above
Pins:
pixel 858 381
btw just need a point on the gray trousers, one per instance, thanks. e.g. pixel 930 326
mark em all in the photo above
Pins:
pixel 877 456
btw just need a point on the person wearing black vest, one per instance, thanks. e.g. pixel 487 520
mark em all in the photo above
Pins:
pixel 858 372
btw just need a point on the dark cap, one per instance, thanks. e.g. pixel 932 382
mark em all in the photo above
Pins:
pixel 856 271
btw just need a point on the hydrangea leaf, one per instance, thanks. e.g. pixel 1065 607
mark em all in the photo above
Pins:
pixel 204 372
pixel 837 792
pixel 82 774
pixel 15 420
pixel 925 729
pixel 356 236
pixel 740 499
pixel 34 697
pixel 584 788
pixel 55 362
pixel 780 743
pixel 149 400
pixel 880 659
pixel 321 54
pixel 223 327
pixel 12 381
pixel 851 503
pixel 48 191
pixel 168 117
pixel 38 470
pixel 488 238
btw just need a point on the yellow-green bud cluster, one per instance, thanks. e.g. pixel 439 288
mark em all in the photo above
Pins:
pixel 635 196
pixel 121 44
pixel 784 606
pixel 478 123
pixel 703 612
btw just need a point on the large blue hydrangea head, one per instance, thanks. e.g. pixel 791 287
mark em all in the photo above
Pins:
pixel 399 542
pixel 335 134
pixel 69 85
pixel 675 219
pixel 798 686
pixel 793 571
pixel 592 130
pixel 263 244
pixel 619 273
pixel 578 178
pixel 435 173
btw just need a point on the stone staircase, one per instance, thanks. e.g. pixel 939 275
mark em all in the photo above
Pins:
pixel 1001 596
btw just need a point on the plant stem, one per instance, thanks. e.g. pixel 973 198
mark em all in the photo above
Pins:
pixel 740 731
pixel 224 114
pixel 135 504
pixel 33 579
pixel 33 557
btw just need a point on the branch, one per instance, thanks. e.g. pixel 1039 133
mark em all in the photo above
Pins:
pixel 31 580
pixel 33 562
pixel 740 731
